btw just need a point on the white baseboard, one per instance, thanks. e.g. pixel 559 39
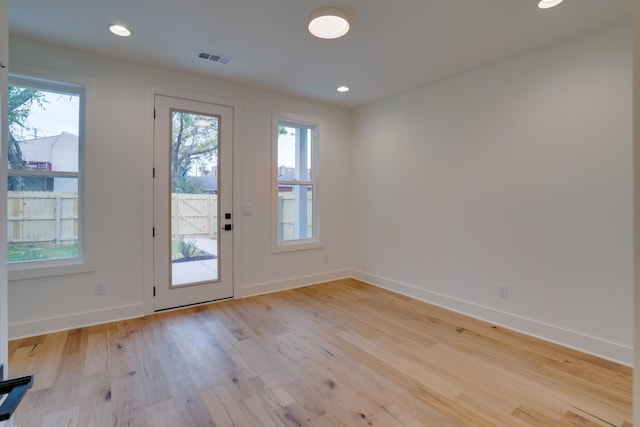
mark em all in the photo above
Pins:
pixel 296 282
pixel 567 338
pixel 76 320
pixel 89 318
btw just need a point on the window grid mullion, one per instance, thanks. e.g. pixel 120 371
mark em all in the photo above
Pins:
pixel 53 174
pixel 295 182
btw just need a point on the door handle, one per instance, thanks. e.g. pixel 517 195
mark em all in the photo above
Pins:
pixel 227 227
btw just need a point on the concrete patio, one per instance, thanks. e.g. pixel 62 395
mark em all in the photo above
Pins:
pixel 185 273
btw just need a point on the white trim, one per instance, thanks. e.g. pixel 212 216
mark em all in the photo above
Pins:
pixel 96 317
pixel 52 174
pixel 86 179
pixel 296 245
pixel 296 282
pixel 220 287
pixel 567 338
pixel 561 336
pixel 295 120
pixel 76 320
pixel 52 268
pixel 151 91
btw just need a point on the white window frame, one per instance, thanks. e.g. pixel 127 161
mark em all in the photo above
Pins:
pixel 295 120
pixel 84 263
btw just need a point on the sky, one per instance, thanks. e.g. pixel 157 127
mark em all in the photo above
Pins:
pixel 59 113
pixel 287 149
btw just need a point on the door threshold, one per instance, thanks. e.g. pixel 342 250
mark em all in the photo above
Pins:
pixel 192 305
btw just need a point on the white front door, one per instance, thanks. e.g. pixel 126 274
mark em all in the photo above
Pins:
pixel 193 220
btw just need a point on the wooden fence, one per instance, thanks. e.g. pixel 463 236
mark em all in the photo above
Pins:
pixel 287 219
pixel 40 216
pixel 47 217
pixel 194 215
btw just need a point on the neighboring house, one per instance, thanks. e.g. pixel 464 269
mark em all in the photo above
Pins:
pixel 208 183
pixel 288 174
pixel 52 153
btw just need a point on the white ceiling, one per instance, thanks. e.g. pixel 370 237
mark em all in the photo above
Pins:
pixel 393 45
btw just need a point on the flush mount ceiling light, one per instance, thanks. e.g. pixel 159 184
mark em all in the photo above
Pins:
pixel 343 89
pixel 546 4
pixel 120 30
pixel 328 23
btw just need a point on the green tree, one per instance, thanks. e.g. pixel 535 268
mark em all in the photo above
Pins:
pixel 194 142
pixel 20 102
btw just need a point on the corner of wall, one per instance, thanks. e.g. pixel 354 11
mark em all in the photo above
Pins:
pixel 636 176
pixel 564 337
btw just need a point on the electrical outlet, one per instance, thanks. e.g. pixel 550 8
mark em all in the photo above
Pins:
pixel 101 288
pixel 503 291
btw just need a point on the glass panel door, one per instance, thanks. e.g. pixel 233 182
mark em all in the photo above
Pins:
pixel 194 197
pixel 192 202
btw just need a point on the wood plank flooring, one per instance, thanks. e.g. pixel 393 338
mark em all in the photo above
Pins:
pixel 337 354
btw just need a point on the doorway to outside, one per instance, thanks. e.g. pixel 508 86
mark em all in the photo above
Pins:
pixel 192 188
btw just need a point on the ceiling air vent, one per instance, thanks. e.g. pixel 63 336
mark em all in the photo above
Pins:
pixel 214 57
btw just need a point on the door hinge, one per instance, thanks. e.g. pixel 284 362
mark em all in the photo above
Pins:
pixel 154 291
pixel 154 113
pixel 153 232
pixel 154 172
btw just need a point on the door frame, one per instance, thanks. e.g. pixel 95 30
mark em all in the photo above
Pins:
pixel 148 201
pixel 207 287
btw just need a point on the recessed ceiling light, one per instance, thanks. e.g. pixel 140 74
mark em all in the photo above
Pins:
pixel 546 4
pixel 328 23
pixel 343 89
pixel 120 30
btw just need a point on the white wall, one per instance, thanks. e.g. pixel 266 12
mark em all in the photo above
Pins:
pixel 636 170
pixel 519 173
pixel 119 147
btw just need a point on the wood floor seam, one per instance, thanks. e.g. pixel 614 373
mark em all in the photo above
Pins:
pixel 341 353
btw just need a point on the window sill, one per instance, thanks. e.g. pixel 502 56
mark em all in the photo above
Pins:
pixel 296 245
pixel 40 269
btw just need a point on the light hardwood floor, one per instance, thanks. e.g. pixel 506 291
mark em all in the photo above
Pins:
pixel 337 354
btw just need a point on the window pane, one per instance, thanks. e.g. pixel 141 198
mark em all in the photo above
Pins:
pixel 295 212
pixel 42 223
pixel 194 200
pixel 296 147
pixel 45 134
pixel 44 128
pixel 294 154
